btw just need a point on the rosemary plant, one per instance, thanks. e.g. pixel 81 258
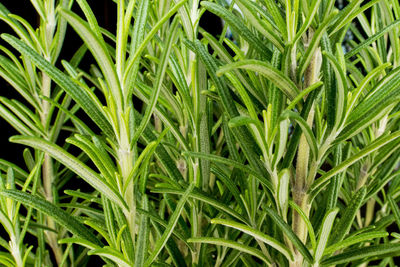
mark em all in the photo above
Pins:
pixel 275 145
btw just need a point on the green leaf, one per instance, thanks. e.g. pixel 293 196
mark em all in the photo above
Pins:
pixel 14 76
pixel 265 69
pixel 356 239
pixel 6 223
pixel 250 13
pixel 156 219
pixel 158 81
pixel 313 8
pixel 288 232
pixel 161 153
pixel 74 164
pixel 164 116
pixel 79 241
pixel 347 14
pixel 276 14
pixel 348 162
pixel 18 172
pixel 142 242
pixel 340 92
pixel 111 254
pixel 15 25
pixel 297 133
pixel 82 97
pixel 241 121
pixel 336 182
pixel 283 191
pixel 39 8
pixel 356 93
pixel 329 83
pixel 324 234
pixel 242 135
pixel 364 253
pixel 378 102
pixel 239 86
pixel 275 96
pixel 62 217
pixel 237 75
pixel 231 244
pixel 107 170
pixel 171 225
pixel 314 44
pixel 395 209
pixel 173 250
pixel 91 18
pixel 99 50
pixel 256 234
pixel 229 183
pixel 78 122
pixel 230 163
pixel 371 39
pixel 280 141
pixel 138 32
pixel 344 225
pixel 309 226
pixel 133 59
pixel 303 94
pixel 238 26
pixel 216 203
pixel 15 122
pixel 312 142
pixel 24 114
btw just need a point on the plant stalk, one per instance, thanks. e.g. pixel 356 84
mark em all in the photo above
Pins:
pixel 301 183
pixel 48 172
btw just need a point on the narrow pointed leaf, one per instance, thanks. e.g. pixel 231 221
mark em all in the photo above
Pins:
pixel 312 142
pixel 364 253
pixel 111 254
pixel 171 225
pixel 354 240
pixel 78 94
pixel 256 234
pixel 206 199
pixel 363 153
pixel 344 225
pixel 287 230
pixel 74 164
pixel 229 162
pixel 231 244
pixel 265 69
pixel 99 51
pixel 62 217
pixel 326 230
pixel 238 26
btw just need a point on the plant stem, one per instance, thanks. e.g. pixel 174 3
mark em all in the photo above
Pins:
pixel 47 170
pixel 15 248
pixel 303 171
pixel 126 158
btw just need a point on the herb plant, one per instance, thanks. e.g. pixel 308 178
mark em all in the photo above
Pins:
pixel 274 143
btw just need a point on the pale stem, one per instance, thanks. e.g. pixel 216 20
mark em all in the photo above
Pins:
pixel 300 195
pixel 125 156
pixel 16 250
pixel 48 174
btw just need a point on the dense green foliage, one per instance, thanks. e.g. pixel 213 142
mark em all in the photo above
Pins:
pixel 274 145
